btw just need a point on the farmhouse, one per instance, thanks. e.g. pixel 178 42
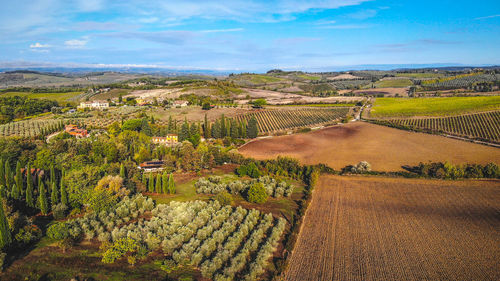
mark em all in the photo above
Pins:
pixel 170 139
pixel 180 103
pixel 151 166
pixel 94 104
pixel 75 131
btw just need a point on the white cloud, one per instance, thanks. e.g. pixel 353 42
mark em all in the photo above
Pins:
pixel 487 17
pixel 76 43
pixel 39 46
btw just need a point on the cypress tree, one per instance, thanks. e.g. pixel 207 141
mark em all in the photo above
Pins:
pixel 206 128
pixel 3 192
pixel 64 193
pixel 171 184
pixel 2 172
pixel 252 128
pixel 42 199
pixel 144 180
pixel 151 183
pixel 19 178
pixel 8 174
pixel 122 171
pixel 52 174
pixel 15 192
pixel 5 235
pixel 29 187
pixel 222 126
pixel 164 179
pixel 170 127
pixel 158 183
pixel 184 133
pixel 54 195
pixel 234 129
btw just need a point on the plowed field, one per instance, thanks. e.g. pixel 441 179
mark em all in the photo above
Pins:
pixel 397 229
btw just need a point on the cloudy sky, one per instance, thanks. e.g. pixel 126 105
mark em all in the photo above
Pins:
pixel 249 35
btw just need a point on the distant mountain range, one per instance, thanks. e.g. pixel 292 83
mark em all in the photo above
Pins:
pixel 172 71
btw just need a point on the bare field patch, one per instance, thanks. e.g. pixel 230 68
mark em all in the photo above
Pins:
pixel 362 228
pixel 344 77
pixel 275 97
pixel 386 149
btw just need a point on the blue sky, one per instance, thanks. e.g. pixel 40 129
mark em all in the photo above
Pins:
pixel 249 35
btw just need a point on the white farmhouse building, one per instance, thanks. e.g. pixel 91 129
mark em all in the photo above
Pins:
pixel 94 104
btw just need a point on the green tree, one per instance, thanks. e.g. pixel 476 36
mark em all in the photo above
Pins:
pixel 257 193
pixel 19 178
pixel 54 195
pixel 5 235
pixel 64 192
pixel 158 183
pixel 52 174
pixel 122 171
pixel 206 106
pixel 252 128
pixel 184 133
pixel 8 174
pixel 206 128
pixel 42 199
pixel 171 184
pixel 145 128
pixel 223 129
pixel 29 187
pixel 14 193
pixel 164 180
pixel 234 129
pixel 2 172
pixel 259 103
pixel 151 183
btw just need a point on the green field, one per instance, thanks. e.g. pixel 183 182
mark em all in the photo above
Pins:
pixel 309 77
pixel 398 107
pixel 59 97
pixel 262 79
pixel 420 75
pixel 394 83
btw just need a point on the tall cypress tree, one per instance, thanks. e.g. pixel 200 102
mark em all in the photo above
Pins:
pixel 5 235
pixel 29 187
pixel 52 174
pixel 8 174
pixel 223 126
pixel 19 179
pixel 164 180
pixel 171 184
pixel 122 171
pixel 184 133
pixel 144 180
pixel 170 125
pixel 42 199
pixel 3 192
pixel 151 183
pixel 54 195
pixel 252 128
pixel 64 192
pixel 2 172
pixel 14 193
pixel 206 128
pixel 158 183
pixel 234 129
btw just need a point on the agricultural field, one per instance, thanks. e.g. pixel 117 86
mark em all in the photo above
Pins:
pixel 359 228
pixel 482 126
pixel 393 83
pixel 285 119
pixel 386 149
pixel 59 97
pixel 460 81
pixel 31 128
pixel 394 107
pixel 422 75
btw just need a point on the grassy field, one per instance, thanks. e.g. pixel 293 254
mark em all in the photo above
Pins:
pixel 420 75
pixel 396 107
pixel 386 149
pixel 394 83
pixel 365 228
pixel 262 79
pixel 59 97
pixel 309 77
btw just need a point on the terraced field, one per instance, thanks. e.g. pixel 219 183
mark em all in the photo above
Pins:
pixel 399 229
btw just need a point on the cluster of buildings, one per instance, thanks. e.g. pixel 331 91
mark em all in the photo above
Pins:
pixel 94 105
pixel 170 139
pixel 75 131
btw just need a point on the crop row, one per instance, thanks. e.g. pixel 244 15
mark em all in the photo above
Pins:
pixel 463 82
pixel 276 120
pixel 219 240
pixel 483 126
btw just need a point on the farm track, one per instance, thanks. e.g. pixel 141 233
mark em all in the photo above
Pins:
pixel 399 229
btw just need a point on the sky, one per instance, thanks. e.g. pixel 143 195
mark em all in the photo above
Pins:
pixel 249 35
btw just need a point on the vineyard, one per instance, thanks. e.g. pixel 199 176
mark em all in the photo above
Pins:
pixel 30 128
pixel 276 120
pixel 223 242
pixel 461 81
pixel 482 126
pixel 349 84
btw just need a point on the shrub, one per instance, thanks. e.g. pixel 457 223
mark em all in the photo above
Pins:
pixel 224 198
pixel 58 231
pixel 59 211
pixel 28 234
pixel 257 193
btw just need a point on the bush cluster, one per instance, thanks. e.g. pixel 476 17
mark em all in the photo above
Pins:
pixel 214 185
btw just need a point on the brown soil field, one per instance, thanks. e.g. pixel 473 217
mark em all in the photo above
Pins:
pixel 386 149
pixel 399 229
pixel 388 92
pixel 275 97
